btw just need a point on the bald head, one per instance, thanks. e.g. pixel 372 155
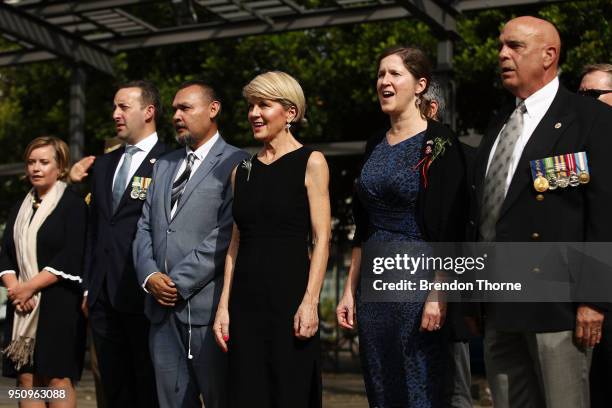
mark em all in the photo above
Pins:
pixel 528 55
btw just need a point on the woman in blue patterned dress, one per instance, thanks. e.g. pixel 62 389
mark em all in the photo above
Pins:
pixel 397 199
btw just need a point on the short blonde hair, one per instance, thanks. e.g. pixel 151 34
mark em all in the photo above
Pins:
pixel 62 153
pixel 280 87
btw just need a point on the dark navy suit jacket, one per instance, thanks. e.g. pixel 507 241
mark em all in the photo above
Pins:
pixel 110 234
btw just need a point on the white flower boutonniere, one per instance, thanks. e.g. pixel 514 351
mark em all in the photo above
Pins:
pixel 247 164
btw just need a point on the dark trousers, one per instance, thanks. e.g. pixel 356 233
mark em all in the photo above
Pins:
pixel 601 367
pixel 121 341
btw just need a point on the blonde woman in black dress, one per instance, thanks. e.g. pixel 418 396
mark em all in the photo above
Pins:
pixel 268 314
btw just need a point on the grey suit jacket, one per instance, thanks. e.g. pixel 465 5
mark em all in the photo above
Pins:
pixel 191 246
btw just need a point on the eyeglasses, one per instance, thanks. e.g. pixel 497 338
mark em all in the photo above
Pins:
pixel 594 93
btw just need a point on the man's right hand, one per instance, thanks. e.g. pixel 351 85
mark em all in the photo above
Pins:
pixel 162 288
pixel 78 171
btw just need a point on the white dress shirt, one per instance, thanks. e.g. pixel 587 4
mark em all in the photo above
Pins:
pixel 145 146
pixel 537 105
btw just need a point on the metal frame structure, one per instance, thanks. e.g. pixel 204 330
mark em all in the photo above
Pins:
pixel 113 25
pixel 90 32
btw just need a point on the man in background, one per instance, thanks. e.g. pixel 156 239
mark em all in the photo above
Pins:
pixel 457 387
pixel 597 83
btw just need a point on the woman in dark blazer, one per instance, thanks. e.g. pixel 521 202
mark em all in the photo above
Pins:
pixel 411 189
pixel 40 265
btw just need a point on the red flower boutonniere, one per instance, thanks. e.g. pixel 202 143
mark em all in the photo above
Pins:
pixel 432 150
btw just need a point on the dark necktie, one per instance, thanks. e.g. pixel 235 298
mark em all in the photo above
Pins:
pixel 495 181
pixel 122 175
pixel 179 185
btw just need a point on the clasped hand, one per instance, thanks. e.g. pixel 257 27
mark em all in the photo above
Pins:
pixel 21 295
pixel 163 289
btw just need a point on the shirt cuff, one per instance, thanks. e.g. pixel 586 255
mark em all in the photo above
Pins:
pixel 144 285
pixel 63 275
pixel 7 272
pixel 85 293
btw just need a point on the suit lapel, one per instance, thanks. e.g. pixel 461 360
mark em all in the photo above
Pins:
pixel 210 161
pixel 541 144
pixel 114 158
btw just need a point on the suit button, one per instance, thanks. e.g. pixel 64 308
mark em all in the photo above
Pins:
pixel 535 235
pixel 473 186
pixel 169 231
pixel 112 223
pixel 472 223
pixel 540 197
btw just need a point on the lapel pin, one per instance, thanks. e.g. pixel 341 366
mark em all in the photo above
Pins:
pixel 558 125
pixel 152 161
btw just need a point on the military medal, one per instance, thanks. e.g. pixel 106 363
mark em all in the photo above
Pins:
pixel 583 167
pixel 574 180
pixel 135 188
pixel 562 177
pixel 146 181
pixel 551 177
pixel 539 181
pixel 541 184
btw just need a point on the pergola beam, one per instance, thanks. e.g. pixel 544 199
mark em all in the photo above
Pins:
pixel 438 17
pixel 244 7
pixel 226 30
pixel 472 5
pixel 54 40
pixel 233 30
pixel 67 7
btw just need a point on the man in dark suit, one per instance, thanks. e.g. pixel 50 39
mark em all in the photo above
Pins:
pixel 536 355
pixel 114 298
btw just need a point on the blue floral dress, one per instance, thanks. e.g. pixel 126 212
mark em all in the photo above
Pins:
pixel 402 365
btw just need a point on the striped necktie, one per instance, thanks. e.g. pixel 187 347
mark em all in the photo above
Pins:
pixel 179 185
pixel 495 181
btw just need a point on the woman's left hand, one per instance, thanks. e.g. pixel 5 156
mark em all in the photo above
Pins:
pixel 434 313
pixel 306 320
pixel 21 293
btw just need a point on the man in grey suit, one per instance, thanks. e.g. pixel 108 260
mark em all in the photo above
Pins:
pixel 179 252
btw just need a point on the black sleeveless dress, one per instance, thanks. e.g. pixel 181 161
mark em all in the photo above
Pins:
pixel 269 366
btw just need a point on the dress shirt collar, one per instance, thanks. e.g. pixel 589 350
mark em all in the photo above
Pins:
pixel 538 103
pixel 202 151
pixel 147 144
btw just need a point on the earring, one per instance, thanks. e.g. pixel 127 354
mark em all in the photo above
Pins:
pixel 288 126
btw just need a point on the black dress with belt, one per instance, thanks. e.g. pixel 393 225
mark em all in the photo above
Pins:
pixel 269 366
pixel 60 334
